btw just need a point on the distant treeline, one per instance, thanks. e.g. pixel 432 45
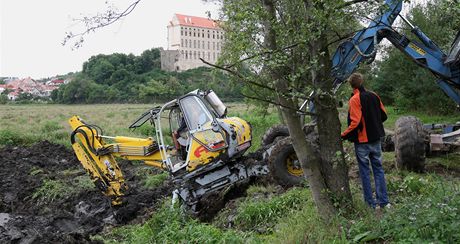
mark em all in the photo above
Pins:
pixel 138 79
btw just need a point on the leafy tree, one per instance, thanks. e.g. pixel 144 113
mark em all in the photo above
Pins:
pixel 281 49
pixel 3 98
pixel 128 78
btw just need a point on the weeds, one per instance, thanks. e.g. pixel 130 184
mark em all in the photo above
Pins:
pixel 50 191
pixel 170 225
pixel 263 214
pixel 153 181
pixel 426 209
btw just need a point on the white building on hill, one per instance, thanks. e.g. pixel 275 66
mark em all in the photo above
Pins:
pixel 189 39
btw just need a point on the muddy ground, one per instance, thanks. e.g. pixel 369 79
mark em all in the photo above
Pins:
pixel 67 212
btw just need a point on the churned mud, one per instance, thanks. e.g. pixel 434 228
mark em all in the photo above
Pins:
pixel 46 197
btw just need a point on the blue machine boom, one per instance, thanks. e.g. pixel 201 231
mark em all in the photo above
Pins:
pixel 424 52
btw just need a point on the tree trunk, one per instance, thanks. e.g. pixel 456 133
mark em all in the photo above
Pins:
pixel 311 162
pixel 334 167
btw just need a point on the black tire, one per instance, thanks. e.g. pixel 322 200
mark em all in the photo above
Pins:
pixel 410 144
pixel 273 134
pixel 283 166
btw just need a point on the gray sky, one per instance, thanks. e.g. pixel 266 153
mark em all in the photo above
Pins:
pixel 31 32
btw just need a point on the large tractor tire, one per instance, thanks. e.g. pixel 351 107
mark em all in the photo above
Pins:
pixel 410 144
pixel 274 134
pixel 284 166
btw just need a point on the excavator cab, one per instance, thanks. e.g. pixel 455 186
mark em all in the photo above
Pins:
pixel 199 131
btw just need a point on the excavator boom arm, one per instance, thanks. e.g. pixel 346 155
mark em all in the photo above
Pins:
pixel 98 157
pixel 424 52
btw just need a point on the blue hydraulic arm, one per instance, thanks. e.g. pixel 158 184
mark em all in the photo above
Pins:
pixel 424 52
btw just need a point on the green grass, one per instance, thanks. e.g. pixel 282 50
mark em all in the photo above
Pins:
pixel 52 190
pixel 29 123
pixel 170 225
pixel 393 115
pixel 26 124
pixel 153 181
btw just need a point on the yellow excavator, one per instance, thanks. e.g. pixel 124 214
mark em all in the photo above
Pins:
pixel 206 155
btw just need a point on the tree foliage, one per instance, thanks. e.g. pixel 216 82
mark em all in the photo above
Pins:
pixel 128 78
pixel 402 83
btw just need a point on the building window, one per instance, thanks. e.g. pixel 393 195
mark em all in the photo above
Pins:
pixel 182 53
pixel 209 56
pixel 208 35
pixel 186 55
pixel 209 45
pixel 194 32
pixel 190 43
pixel 182 42
pixel 185 33
pixel 194 54
pixel 186 43
pixel 198 44
pixel 218 46
pixel 202 44
pixel 194 43
pixel 213 56
pixel 181 31
pixel 203 54
pixel 199 55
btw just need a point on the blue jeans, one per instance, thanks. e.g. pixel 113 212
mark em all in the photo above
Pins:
pixel 372 152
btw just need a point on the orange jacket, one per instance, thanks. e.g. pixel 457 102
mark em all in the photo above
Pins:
pixel 366 115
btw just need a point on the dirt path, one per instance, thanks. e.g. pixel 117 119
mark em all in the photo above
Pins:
pixel 46 197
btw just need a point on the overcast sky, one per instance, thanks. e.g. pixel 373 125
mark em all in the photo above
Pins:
pixel 31 32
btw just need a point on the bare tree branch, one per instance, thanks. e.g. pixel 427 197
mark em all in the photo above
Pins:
pixel 352 2
pixel 100 20
pixel 278 104
pixel 260 54
pixel 237 74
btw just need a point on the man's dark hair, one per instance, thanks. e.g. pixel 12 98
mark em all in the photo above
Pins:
pixel 356 80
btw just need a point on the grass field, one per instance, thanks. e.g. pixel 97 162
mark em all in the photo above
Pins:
pixel 26 124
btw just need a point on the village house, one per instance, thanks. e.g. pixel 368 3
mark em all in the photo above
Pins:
pixel 30 86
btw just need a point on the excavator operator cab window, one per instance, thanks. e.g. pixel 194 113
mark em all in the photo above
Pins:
pixel 199 121
pixel 196 113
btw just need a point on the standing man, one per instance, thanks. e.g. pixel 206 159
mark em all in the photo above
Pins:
pixel 366 115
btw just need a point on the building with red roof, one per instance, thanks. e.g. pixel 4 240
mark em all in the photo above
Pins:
pixel 189 39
